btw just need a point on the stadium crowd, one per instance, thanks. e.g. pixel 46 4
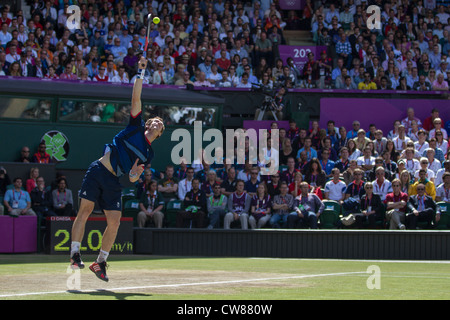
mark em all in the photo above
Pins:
pixel 397 177
pixel 230 43
pixel 398 180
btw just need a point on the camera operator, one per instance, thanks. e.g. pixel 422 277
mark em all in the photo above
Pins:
pixel 274 104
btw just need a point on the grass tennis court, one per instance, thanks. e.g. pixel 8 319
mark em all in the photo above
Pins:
pixel 136 277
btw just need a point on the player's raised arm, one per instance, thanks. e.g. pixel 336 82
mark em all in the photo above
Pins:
pixel 136 105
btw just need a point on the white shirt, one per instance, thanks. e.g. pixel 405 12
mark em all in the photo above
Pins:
pixel 443 193
pixel 421 147
pixel 412 165
pixel 430 174
pixel 435 165
pixel 438 179
pixel 398 142
pixel 386 187
pixel 5 38
pixel 184 186
pixel 432 133
pixel 335 190
pixel 361 161
pixel 443 146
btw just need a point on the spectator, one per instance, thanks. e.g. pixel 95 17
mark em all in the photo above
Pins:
pixel 31 182
pixel 17 201
pixel 216 206
pixel 151 204
pixel 195 206
pixel 422 208
pixel 185 185
pixel 440 84
pixel 260 207
pixel 282 205
pixel 308 208
pixel 335 188
pixel 41 199
pixel 168 186
pixel 238 207
pixel 63 199
pixel 430 188
pixel 367 84
pixel 396 205
pixel 41 156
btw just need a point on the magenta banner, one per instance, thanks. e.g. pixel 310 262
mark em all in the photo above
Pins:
pixel 381 112
pixel 299 54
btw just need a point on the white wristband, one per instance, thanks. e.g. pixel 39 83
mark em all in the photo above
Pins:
pixel 141 74
pixel 133 175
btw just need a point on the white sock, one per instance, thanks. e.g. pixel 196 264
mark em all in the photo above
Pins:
pixel 102 256
pixel 75 247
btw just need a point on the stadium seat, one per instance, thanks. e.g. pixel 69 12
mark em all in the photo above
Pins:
pixel 128 194
pixel 172 207
pixel 444 221
pixel 131 210
pixel 330 216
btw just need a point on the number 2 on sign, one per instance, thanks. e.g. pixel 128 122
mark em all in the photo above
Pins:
pixel 301 53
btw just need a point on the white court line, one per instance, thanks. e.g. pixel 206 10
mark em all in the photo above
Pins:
pixel 358 260
pixel 182 284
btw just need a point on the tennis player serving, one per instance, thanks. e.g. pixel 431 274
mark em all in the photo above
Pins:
pixel 129 152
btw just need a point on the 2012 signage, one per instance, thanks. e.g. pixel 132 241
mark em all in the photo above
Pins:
pixel 59 230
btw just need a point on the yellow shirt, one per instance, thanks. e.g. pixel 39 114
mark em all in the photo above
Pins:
pixel 430 189
pixel 364 86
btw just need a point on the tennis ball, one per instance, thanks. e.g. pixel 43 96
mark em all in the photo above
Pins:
pixel 156 20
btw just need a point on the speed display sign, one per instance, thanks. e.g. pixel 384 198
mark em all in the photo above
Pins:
pixel 59 231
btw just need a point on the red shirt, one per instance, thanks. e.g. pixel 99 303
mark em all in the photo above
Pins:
pixel 390 197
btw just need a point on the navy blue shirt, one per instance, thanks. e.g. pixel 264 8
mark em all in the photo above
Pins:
pixel 128 145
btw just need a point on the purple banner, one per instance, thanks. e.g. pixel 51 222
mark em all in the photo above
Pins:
pixel 381 112
pixel 6 234
pixel 291 4
pixel 299 54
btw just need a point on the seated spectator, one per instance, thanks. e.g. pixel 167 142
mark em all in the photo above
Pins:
pixel 208 185
pixel 24 155
pixel 151 203
pixel 185 185
pixel 238 207
pixel 260 207
pixel 308 208
pixel 315 176
pixel 371 208
pixel 335 188
pixel 443 190
pixel 17 201
pixel 32 180
pixel 440 84
pixel 422 208
pixel 367 84
pixel 41 199
pixel 63 199
pixel 381 185
pixel 396 205
pixel 281 207
pixel 430 188
pixel 41 156
pixel 216 206
pixel 168 186
pixel 195 207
